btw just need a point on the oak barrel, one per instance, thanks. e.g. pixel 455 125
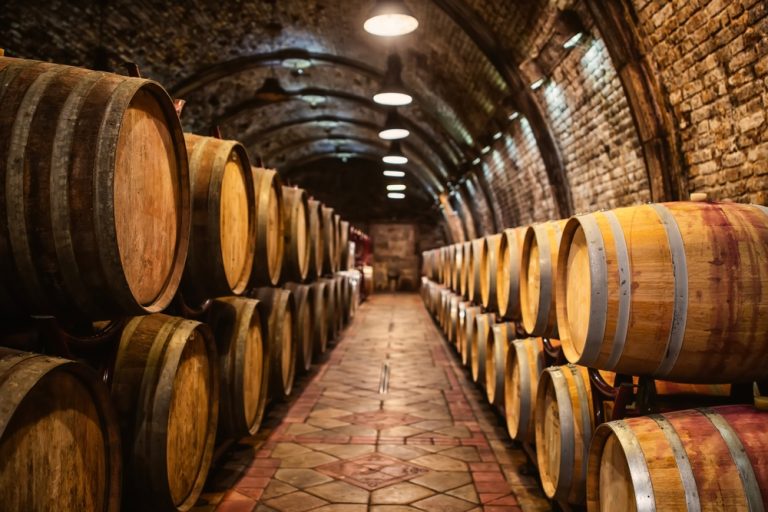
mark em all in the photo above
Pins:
pixel 482 329
pixel 59 437
pixel 166 392
pixel 496 361
pixel 297 243
pixel 340 301
pixel 676 290
pixel 453 318
pixel 466 251
pixel 333 304
pixel 525 362
pixel 489 264
pixel 701 459
pixel 320 316
pixel 344 245
pixel 278 313
pixel 474 272
pixel 337 248
pixel 458 261
pixel 509 258
pixel 330 235
pixel 470 313
pixel 303 326
pixel 221 243
pixel 270 220
pixel 243 365
pixel 316 234
pixel 95 192
pixel 538 268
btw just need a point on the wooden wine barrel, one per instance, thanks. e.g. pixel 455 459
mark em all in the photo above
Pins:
pixel 510 255
pixel 297 244
pixel 221 243
pixel 448 261
pixel 525 362
pixel 303 327
pixel 316 234
pixel 702 459
pixel 344 245
pixel 278 313
pixel 461 325
pixel 330 234
pixel 337 248
pixel 341 301
pixel 538 268
pixel 453 318
pixel 332 305
pixel 565 421
pixel 320 317
pixel 489 264
pixel 676 290
pixel 482 329
pixel 346 297
pixel 442 309
pixel 94 195
pixel 166 391
pixel 243 365
pixel 474 271
pixel 270 241
pixel 496 360
pixel 458 261
pixel 59 437
pixel 466 249
pixel 470 313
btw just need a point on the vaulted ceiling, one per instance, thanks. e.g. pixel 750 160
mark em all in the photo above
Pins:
pixel 461 65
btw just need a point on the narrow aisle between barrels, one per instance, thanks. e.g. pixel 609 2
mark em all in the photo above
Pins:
pixel 388 421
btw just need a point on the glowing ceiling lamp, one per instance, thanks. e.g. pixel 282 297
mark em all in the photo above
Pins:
pixel 396 187
pixel 390 18
pixel 396 195
pixel 392 91
pixel 395 155
pixel 394 127
pixel 394 174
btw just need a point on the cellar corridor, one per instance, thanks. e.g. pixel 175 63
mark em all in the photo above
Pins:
pixel 425 442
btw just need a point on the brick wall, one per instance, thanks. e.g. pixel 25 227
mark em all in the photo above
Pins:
pixel 395 253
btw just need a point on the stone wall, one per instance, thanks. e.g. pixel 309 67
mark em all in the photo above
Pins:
pixel 395 256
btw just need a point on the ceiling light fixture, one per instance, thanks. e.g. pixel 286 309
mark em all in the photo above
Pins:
pixel 394 127
pixel 485 150
pixel 476 161
pixel 573 41
pixel 514 115
pixel 396 195
pixel 394 174
pixel 313 99
pixel 568 29
pixel 395 155
pixel 392 91
pixel 497 135
pixel 396 187
pixel 390 18
pixel 538 83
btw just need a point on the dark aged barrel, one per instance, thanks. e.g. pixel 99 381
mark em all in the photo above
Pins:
pixel 166 392
pixel 330 234
pixel 278 311
pixel 95 192
pixel 496 361
pixel 330 310
pixel 270 242
pixel 525 362
pixel 221 243
pixel 59 437
pixel 344 244
pixel 316 234
pixel 297 244
pixel 537 279
pixel 481 331
pixel 489 264
pixel 508 261
pixel 320 324
pixel 243 365
pixel 675 290
pixel 701 459
pixel 303 326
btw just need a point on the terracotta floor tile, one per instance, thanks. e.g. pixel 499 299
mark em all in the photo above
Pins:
pixel 283 450
pixel 440 463
pixel 310 459
pixel 296 502
pixel 466 492
pixel 301 478
pixel 400 494
pixel 442 481
pixel 277 488
pixel 340 492
pixel 444 503
pixel 465 453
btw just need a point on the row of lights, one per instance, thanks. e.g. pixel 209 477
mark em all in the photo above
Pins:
pixel 392 18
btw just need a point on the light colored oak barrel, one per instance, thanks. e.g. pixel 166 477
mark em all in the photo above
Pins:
pixel 482 330
pixel 355 280
pixel 330 233
pixel 538 268
pixel 320 317
pixel 489 265
pixel 59 437
pixel 470 313
pixel 466 249
pixel 525 362
pixel 297 244
pixel 316 234
pixel 303 327
pixel 340 300
pixel 702 459
pixel 346 297
pixel 344 245
pixel 461 325
pixel 449 259
pixel 166 392
pixel 243 365
pixel 678 291
pixel 458 261
pixel 453 318
pixel 270 229
pixel 496 350
pixel 474 272
pixel 95 192
pixel 223 236
pixel 278 313
pixel 337 248
pixel 508 261
pixel 442 309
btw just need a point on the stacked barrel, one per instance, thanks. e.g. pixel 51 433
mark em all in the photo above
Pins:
pixel 158 291
pixel 629 341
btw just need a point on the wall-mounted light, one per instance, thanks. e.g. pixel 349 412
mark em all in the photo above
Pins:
pixel 394 174
pixel 394 127
pixel 396 187
pixel 395 155
pixel 568 29
pixel 533 73
pixel 396 195
pixel 390 18
pixel 392 91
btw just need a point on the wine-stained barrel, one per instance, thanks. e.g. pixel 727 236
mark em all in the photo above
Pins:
pixel 297 242
pixel 676 290
pixel 482 329
pixel 270 220
pixel 95 192
pixel 303 326
pixel 525 362
pixel 278 312
pixel 508 261
pixel 59 437
pixel 330 235
pixel 243 365
pixel 320 324
pixel 221 243
pixel 165 388
pixel 496 361
pixel 701 459
pixel 538 269
pixel 316 240
pixel 489 264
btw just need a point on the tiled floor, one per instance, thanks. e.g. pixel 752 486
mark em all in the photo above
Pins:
pixel 429 443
